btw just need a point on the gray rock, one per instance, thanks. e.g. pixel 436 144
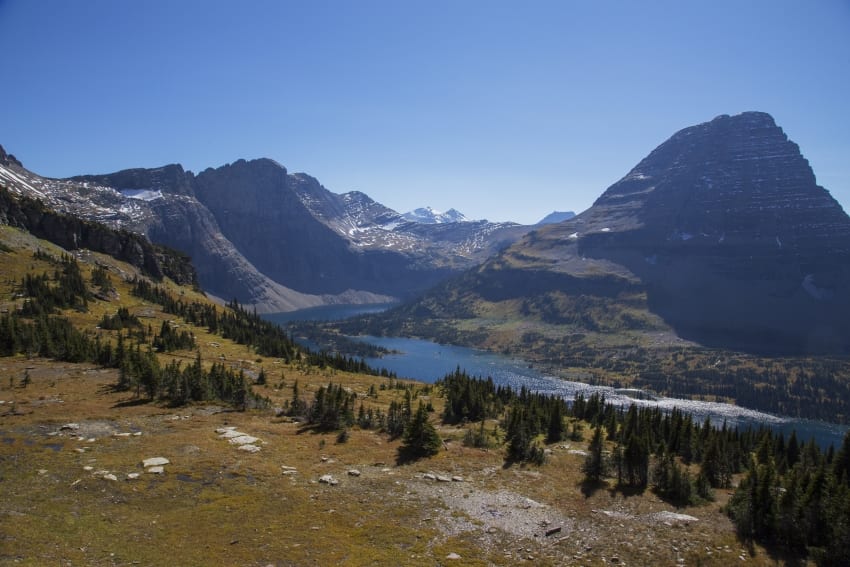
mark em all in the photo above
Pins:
pixel 231 434
pixel 328 479
pixel 155 462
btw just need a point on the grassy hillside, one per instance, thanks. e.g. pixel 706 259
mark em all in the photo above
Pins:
pixel 71 441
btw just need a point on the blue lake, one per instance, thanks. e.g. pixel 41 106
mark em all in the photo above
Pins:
pixel 428 361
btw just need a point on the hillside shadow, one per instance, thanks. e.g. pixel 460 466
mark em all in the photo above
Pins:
pixel 627 491
pixel 131 403
pixel 407 455
pixel 590 487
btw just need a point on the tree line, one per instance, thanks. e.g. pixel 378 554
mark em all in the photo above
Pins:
pixel 792 495
pixel 247 328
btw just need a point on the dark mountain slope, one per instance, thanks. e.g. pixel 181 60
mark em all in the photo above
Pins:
pixel 262 210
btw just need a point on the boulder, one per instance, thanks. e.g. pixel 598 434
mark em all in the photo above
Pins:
pixel 328 479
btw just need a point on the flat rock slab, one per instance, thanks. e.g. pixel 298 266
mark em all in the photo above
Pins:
pixel 249 448
pixel 672 517
pixel 155 462
pixel 155 470
pixel 231 433
pixel 243 440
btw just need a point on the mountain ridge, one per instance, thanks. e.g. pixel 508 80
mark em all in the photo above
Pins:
pixel 271 239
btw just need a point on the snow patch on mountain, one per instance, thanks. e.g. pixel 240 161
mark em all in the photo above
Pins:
pixel 142 194
pixel 427 215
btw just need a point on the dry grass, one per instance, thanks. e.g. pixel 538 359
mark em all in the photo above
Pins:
pixel 216 505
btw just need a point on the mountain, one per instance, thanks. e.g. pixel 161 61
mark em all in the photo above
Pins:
pixel 556 216
pixel 427 215
pixel 720 236
pixel 271 239
pixel 734 240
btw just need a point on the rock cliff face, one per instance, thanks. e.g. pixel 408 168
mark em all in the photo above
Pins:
pixel 724 228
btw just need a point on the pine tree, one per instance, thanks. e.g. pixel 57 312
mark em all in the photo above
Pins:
pixel 556 428
pixel 420 438
pixel 594 464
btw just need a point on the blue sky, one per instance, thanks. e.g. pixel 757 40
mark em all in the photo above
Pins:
pixel 503 110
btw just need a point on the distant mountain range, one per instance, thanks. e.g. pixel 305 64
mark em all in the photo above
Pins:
pixel 427 215
pixel 556 217
pixel 272 239
pixel 720 235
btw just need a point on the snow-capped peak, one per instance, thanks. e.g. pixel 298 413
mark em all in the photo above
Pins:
pixel 427 215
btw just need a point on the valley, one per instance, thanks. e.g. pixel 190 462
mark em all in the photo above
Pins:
pixel 76 489
pixel 714 269
pixel 266 452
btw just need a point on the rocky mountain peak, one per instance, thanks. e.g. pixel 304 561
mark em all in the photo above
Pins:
pixel 749 148
pixel 8 159
pixel 726 227
pixel 427 215
pixel 170 178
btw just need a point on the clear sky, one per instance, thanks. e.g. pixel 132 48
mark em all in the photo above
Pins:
pixel 503 110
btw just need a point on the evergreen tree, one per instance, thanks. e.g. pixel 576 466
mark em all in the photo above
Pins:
pixel 594 464
pixel 420 438
pixel 556 428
